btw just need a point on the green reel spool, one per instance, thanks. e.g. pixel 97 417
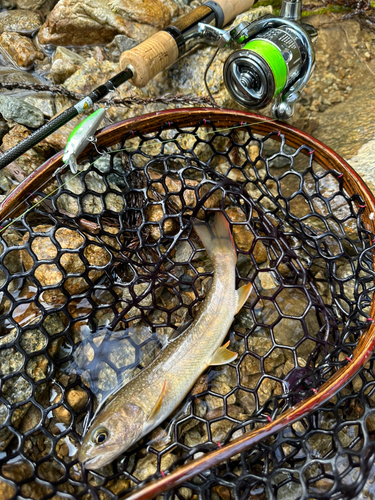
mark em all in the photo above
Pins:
pixel 274 59
pixel 263 68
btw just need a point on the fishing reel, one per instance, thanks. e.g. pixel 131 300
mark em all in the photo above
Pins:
pixel 275 61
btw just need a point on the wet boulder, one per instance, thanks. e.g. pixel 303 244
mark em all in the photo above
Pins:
pixel 19 49
pixel 83 22
pixel 23 22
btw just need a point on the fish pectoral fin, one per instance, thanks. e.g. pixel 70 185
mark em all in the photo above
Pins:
pixel 223 356
pixel 156 409
pixel 243 294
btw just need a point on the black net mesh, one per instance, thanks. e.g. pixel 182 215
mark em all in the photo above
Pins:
pixel 97 276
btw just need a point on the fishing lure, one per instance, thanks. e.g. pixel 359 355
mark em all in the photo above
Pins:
pixel 80 137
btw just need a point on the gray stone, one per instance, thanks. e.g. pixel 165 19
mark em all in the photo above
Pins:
pixel 43 101
pixel 124 43
pixel 21 112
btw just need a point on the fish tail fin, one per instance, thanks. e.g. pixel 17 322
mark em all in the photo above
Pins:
pixel 216 238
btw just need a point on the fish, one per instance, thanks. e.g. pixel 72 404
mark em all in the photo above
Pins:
pixel 153 394
pixel 80 137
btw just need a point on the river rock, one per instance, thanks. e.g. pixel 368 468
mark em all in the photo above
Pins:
pixel 21 112
pixel 23 22
pixel 36 4
pixel 83 22
pixel 11 75
pixel 244 237
pixel 34 156
pixel 64 63
pixel 49 274
pixel 147 466
pixel 154 214
pixel 76 398
pixel 12 260
pixel 4 129
pixel 43 101
pixel 91 74
pixel 7 490
pixel 19 49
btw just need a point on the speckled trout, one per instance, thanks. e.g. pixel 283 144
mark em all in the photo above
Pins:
pixel 150 397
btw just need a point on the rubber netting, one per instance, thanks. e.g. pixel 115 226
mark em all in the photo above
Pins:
pixel 96 277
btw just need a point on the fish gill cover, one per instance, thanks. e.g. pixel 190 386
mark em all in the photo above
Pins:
pixel 113 250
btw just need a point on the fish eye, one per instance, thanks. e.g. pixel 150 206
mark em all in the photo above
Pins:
pixel 100 436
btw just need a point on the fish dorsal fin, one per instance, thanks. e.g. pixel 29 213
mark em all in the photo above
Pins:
pixel 180 330
pixel 223 356
pixel 243 294
pixel 156 409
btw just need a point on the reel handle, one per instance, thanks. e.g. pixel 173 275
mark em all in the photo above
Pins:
pixel 163 49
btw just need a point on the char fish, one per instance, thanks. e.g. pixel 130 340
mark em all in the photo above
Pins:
pixel 80 137
pixel 150 397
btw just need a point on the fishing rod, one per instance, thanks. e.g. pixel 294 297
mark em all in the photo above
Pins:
pixel 275 60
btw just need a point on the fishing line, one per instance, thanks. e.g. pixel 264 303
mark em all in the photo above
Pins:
pixel 130 150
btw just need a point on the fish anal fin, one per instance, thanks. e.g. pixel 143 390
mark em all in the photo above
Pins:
pixel 156 409
pixel 223 356
pixel 243 294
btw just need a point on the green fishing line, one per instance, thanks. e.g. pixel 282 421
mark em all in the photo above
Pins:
pixel 274 59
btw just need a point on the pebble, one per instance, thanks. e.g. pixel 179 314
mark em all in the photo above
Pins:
pixel 148 465
pixel 76 398
pixel 154 214
pixel 65 62
pixel 24 22
pixel 49 274
pixel 21 112
pixel 91 74
pixel 7 490
pixel 244 237
pixel 19 49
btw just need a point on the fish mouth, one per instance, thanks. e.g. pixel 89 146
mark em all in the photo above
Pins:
pixel 94 463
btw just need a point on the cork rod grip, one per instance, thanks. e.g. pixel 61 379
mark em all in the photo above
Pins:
pixel 150 57
pixel 232 8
